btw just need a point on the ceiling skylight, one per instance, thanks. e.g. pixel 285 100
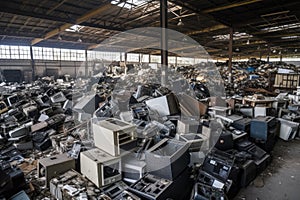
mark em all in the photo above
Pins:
pixel 236 36
pixel 129 3
pixel 74 28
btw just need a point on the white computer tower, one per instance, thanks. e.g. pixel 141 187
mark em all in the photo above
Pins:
pixel 113 135
pixel 100 167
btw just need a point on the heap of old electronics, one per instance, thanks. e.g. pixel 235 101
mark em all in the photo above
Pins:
pixel 80 140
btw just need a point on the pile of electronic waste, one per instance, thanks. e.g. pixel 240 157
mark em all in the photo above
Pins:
pixel 252 74
pixel 92 140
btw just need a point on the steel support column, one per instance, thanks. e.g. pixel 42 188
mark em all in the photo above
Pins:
pixel 164 40
pixel 230 53
pixel 269 51
pixel 32 64
pixel 86 64
pixel 260 55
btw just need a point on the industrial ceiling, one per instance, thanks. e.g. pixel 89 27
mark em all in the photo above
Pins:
pixel 260 27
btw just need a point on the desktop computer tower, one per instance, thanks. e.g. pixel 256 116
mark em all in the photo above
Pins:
pixel 114 136
pixel 100 167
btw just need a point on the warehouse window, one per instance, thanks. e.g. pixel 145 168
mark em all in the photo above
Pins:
pixel 37 53
pixel 133 57
pixel 154 59
pixel 172 59
pixel 185 61
pixel 4 52
pixel 91 55
pixel 145 58
pixel 56 54
pixel 101 55
pixel 122 56
pixel 47 53
pixel 24 52
pixel 111 56
pixel 14 52
pixel 65 54
pixel 115 56
pixel 200 60
pixel 98 55
pixel 73 55
pixel 80 55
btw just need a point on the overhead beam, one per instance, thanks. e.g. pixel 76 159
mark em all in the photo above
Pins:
pixel 172 50
pixel 232 5
pixel 268 9
pixel 79 20
pixel 57 19
pixel 34 15
pixel 283 35
pixel 92 25
pixel 256 42
pixel 207 12
pixel 208 29
pixel 15 33
pixel 51 33
pixel 186 5
pixel 55 7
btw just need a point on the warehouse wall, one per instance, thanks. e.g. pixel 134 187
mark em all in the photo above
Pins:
pixel 297 63
pixel 72 68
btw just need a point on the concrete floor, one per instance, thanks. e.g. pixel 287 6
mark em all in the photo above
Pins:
pixel 281 180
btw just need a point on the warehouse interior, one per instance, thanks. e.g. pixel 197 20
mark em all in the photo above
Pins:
pixel 149 100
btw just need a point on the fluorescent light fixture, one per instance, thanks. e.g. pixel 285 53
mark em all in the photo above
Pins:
pixel 282 27
pixel 290 37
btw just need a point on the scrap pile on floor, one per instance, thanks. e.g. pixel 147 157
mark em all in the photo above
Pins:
pixel 111 139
